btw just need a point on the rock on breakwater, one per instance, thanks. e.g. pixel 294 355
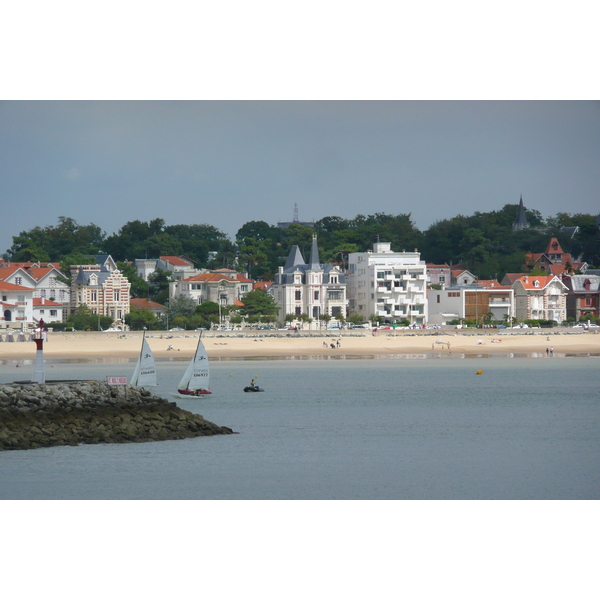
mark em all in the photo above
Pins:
pixel 91 412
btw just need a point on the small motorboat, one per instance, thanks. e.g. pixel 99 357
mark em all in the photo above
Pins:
pixel 253 388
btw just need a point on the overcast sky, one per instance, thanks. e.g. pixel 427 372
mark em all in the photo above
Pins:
pixel 227 163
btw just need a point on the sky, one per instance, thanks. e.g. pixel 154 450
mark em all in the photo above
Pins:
pixel 225 163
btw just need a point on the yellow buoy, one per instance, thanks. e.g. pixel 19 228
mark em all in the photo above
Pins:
pixel 479 372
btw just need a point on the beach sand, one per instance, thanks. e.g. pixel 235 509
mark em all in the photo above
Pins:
pixel 94 345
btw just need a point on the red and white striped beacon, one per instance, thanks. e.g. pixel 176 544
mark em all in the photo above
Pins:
pixel 38 337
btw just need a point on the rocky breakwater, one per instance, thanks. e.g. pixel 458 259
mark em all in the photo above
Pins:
pixel 72 413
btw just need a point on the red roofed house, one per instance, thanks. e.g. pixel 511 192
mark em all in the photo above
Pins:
pixel 143 304
pixel 554 260
pixel 223 287
pixel 540 297
pixel 583 298
pixel 49 311
pixel 16 304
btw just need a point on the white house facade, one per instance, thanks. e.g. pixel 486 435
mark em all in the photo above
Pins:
pixel 472 303
pixel 16 305
pixel 312 289
pixel 540 297
pixel 391 285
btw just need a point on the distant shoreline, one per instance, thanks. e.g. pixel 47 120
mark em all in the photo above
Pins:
pixel 433 344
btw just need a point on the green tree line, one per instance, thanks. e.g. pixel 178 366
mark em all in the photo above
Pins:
pixel 484 242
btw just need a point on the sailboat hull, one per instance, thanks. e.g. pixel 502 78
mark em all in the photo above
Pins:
pixel 190 393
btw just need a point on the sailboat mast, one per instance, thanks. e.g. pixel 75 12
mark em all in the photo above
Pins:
pixel 140 358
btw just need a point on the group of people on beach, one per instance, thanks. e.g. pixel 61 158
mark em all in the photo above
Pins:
pixel 333 345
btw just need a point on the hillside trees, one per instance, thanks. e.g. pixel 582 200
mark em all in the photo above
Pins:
pixel 52 243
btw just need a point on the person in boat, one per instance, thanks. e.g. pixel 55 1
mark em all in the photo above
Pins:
pixel 252 383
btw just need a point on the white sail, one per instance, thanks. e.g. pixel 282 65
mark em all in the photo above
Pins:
pixel 144 374
pixel 196 376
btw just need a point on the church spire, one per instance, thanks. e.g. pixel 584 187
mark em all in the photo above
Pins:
pixel 521 220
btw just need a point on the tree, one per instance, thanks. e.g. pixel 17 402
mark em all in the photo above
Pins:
pixel 84 320
pixel 139 286
pixel 158 284
pixel 140 318
pixel 74 259
pixel 259 304
pixel 181 306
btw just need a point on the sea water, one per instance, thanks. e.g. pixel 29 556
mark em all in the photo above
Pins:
pixel 375 429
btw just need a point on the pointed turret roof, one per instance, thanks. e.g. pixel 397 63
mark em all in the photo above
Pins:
pixel 81 278
pixel 315 263
pixel 294 258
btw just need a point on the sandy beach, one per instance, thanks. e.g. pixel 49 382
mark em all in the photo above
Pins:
pixel 94 345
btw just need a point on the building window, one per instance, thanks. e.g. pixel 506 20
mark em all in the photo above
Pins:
pixel 94 296
pixel 116 296
pixel 53 313
pixel 298 294
pixel 298 310
pixel 316 294
pixel 18 280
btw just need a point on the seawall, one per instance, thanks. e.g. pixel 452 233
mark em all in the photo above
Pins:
pixel 91 412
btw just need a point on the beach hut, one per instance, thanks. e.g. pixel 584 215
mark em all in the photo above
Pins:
pixel 9 337
pixel 21 336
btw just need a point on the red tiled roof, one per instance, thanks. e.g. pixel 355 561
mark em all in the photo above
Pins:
pixel 512 277
pixel 527 281
pixel 553 250
pixel 492 284
pixel 13 287
pixel 209 277
pixel 144 303
pixel 176 261
pixel 40 302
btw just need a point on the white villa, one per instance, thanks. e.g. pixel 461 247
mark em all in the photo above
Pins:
pixel 16 305
pixel 390 285
pixel 223 286
pixel 540 297
pixel 313 289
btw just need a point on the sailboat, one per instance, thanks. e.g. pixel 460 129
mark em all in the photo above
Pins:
pixel 195 380
pixel 144 374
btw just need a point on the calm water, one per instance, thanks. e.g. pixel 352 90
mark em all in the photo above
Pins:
pixel 527 428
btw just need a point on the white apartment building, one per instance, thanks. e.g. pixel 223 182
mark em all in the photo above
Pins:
pixel 391 285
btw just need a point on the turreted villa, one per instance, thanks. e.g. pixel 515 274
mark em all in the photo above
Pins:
pixel 313 289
